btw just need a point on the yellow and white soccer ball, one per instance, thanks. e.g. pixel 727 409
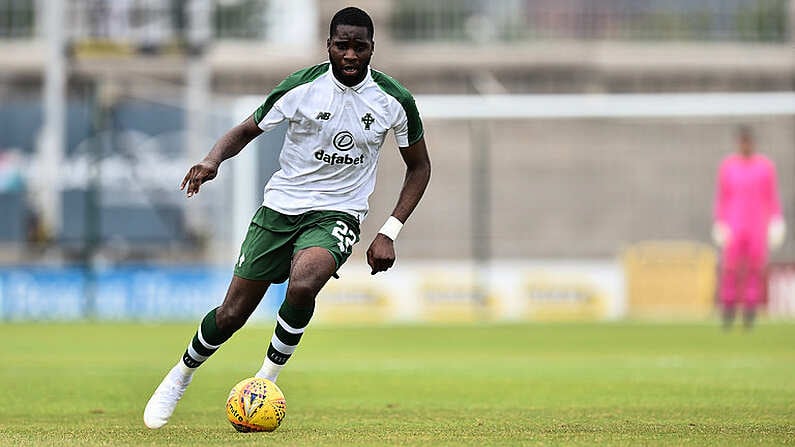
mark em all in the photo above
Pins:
pixel 255 404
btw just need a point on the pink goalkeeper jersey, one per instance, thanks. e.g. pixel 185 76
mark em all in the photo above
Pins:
pixel 747 196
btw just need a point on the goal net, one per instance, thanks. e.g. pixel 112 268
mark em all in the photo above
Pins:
pixel 528 186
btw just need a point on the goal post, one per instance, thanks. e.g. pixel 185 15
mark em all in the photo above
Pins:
pixel 647 105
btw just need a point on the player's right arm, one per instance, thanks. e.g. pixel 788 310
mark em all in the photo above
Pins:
pixel 229 145
pixel 720 229
pixel 278 106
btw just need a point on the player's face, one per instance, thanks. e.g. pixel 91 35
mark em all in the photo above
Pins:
pixel 349 50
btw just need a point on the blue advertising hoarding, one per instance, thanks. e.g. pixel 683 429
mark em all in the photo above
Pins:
pixel 120 293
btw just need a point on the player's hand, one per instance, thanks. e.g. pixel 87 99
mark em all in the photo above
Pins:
pixel 776 231
pixel 199 173
pixel 721 233
pixel 381 254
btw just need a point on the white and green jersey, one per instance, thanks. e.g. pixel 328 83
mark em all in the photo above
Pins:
pixel 328 160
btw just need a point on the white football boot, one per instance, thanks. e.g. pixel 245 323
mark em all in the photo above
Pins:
pixel 162 403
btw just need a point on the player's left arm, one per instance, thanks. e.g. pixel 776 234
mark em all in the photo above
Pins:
pixel 381 253
pixel 775 202
pixel 776 229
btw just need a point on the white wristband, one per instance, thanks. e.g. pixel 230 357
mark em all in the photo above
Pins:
pixel 391 228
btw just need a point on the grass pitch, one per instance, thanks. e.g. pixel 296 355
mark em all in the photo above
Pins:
pixel 545 384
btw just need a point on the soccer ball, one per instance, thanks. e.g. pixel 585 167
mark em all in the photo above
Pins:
pixel 255 404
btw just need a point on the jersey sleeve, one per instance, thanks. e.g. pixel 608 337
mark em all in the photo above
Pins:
pixel 722 193
pixel 408 124
pixel 408 129
pixel 775 202
pixel 267 116
pixel 281 104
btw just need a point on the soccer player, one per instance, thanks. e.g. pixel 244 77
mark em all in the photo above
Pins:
pixel 339 113
pixel 747 223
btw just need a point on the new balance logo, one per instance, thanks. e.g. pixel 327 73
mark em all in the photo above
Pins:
pixel 323 116
pixel 241 260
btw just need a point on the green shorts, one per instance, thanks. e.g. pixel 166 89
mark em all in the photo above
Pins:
pixel 273 238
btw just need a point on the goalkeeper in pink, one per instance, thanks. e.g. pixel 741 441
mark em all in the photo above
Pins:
pixel 747 224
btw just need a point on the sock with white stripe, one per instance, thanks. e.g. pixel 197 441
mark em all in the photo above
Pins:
pixel 205 342
pixel 290 324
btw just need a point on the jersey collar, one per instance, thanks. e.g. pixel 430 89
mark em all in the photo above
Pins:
pixel 344 87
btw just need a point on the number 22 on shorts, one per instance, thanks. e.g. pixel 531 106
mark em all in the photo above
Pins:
pixel 346 236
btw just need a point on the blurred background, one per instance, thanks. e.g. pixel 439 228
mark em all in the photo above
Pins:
pixel 575 146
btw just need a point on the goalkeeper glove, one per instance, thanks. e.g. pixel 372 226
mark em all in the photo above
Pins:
pixel 721 234
pixel 776 230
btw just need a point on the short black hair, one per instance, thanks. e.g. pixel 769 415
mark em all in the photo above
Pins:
pixel 352 16
pixel 745 131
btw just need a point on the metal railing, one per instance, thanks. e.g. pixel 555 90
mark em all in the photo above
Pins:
pixel 515 20
pixel 133 21
pixel 438 20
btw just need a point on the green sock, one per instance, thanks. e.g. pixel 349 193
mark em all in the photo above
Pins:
pixel 205 342
pixel 290 324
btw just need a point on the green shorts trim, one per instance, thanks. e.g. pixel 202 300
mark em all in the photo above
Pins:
pixel 273 238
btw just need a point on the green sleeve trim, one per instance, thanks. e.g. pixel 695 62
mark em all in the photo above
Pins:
pixel 393 88
pixel 296 79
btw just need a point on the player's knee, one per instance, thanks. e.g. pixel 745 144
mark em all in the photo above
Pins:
pixel 301 293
